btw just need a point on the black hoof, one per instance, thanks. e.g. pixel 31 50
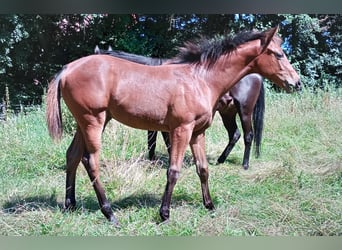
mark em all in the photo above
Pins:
pixel 114 222
pixel 210 206
pixel 164 214
pixel 69 207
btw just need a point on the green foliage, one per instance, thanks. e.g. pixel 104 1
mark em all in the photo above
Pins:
pixel 34 47
pixel 315 48
pixel 12 32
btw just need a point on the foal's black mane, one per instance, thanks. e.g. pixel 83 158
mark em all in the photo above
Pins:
pixel 206 51
pixel 203 51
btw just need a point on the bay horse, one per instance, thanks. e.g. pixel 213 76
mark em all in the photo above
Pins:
pixel 179 98
pixel 245 98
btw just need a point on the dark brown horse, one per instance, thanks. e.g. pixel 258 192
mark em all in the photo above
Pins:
pixel 245 98
pixel 248 100
pixel 179 98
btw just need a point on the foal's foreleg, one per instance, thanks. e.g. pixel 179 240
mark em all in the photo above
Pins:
pixel 197 145
pixel 180 138
pixel 90 161
pixel 73 158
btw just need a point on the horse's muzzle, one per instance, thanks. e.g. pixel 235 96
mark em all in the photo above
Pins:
pixel 297 87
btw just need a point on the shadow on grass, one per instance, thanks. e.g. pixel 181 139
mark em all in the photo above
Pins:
pixel 231 159
pixel 45 202
pixel 142 201
pixel 20 205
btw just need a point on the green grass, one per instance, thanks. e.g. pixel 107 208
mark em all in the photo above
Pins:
pixel 295 188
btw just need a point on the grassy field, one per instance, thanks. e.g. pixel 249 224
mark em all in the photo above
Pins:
pixel 295 188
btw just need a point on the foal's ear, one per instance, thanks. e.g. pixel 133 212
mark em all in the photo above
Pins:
pixel 269 34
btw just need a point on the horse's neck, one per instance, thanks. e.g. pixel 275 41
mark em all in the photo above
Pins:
pixel 230 69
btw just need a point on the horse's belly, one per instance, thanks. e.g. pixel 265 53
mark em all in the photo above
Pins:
pixel 138 116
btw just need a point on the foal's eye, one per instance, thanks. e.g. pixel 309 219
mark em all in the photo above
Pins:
pixel 279 55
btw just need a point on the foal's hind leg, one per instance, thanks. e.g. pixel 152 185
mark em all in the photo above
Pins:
pixel 229 122
pixel 92 138
pixel 73 158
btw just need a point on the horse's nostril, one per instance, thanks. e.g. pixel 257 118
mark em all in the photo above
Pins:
pixel 299 86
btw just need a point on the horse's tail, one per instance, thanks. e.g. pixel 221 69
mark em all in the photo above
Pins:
pixel 258 120
pixel 53 108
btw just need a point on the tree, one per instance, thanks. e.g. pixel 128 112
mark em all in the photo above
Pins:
pixel 34 47
pixel 12 32
pixel 314 47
